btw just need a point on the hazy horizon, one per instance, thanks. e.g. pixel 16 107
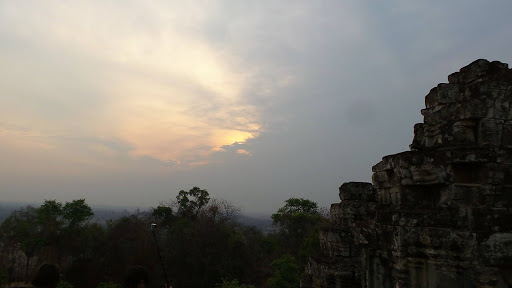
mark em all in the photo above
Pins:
pixel 103 213
pixel 129 102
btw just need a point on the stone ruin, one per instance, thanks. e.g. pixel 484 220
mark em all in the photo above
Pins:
pixel 439 215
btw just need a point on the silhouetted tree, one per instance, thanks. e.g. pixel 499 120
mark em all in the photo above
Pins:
pixel 201 242
pixel 53 231
pixel 190 202
pixel 164 215
pixel 232 284
pixel 129 243
pixel 298 221
pixel 76 212
pixel 22 230
pixel 203 249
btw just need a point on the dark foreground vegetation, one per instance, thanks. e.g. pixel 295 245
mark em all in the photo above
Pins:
pixel 200 241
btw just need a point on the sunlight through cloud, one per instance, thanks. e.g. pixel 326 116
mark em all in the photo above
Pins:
pixel 170 95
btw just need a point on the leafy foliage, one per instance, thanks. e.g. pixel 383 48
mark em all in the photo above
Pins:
pixel 41 231
pixel 76 212
pixel 297 205
pixel 21 229
pixel 50 211
pixel 164 215
pixel 64 284
pixel 200 250
pixel 3 276
pixel 190 202
pixel 232 284
pixel 286 273
pixel 298 221
pixel 109 284
pixel 200 240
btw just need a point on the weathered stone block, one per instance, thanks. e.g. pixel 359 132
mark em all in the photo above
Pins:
pixel 360 190
pixel 503 197
pixel 489 109
pixel 486 220
pixel 453 78
pixel 480 69
pixel 442 94
pixel 418 141
pixel 338 242
pixel 381 166
pixel 489 132
pixel 497 249
pixel 496 173
pixel 464 132
pixel 421 196
pixel 506 136
pixel 470 109
pixel 380 180
pixel 501 106
pixel 468 194
pixel 442 113
pixel 384 196
pixel 395 195
pixel 427 174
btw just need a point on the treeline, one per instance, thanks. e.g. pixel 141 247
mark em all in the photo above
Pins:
pixel 200 241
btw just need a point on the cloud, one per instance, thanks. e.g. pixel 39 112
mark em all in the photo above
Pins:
pixel 281 99
pixel 156 83
pixel 19 138
pixel 173 81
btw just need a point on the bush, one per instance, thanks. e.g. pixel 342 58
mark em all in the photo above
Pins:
pixel 3 276
pixel 109 284
pixel 286 273
pixel 64 284
pixel 232 284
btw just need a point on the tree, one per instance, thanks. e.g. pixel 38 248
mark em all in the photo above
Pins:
pixel 204 244
pixel 41 234
pixel 76 212
pixel 51 210
pixel 21 228
pixel 297 220
pixel 3 277
pixel 109 284
pixel 164 215
pixel 232 284
pixel 286 273
pixel 294 207
pixel 32 230
pixel 64 284
pixel 49 217
pixel 128 243
pixel 190 202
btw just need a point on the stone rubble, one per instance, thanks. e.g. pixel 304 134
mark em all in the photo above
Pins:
pixel 439 215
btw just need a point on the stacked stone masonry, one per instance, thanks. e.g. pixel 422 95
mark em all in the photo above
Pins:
pixel 439 215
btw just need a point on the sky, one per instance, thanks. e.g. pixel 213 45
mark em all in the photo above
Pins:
pixel 125 103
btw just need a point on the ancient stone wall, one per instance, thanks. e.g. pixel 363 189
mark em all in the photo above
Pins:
pixel 443 211
pixel 340 266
